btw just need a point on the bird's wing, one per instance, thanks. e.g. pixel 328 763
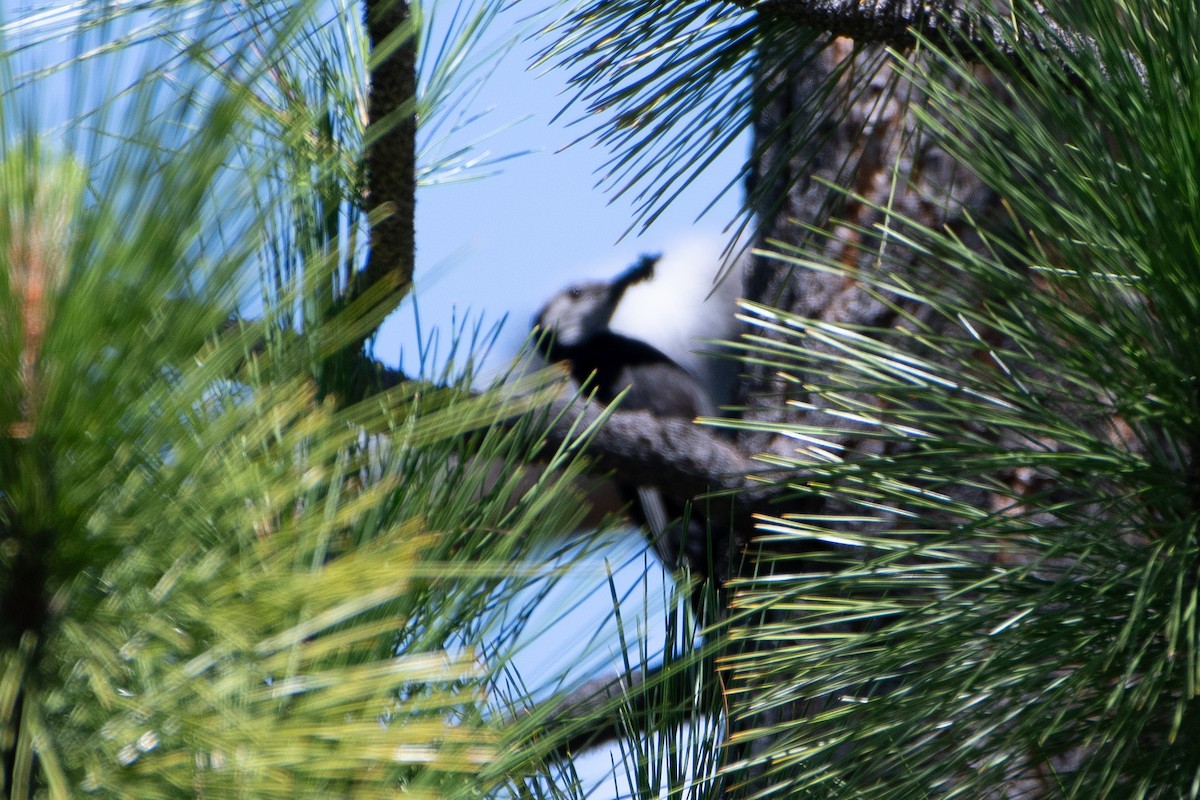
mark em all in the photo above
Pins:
pixel 664 388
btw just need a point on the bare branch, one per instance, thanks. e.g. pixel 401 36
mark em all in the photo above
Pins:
pixel 679 456
pixel 391 143
pixel 967 28
pixel 685 460
pixel 975 32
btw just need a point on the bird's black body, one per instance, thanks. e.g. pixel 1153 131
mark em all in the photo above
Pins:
pixel 574 325
pixel 611 363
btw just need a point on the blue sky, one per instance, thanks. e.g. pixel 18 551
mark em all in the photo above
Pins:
pixel 504 243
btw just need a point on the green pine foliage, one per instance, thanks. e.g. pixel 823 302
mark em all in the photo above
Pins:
pixel 217 579
pixel 1012 607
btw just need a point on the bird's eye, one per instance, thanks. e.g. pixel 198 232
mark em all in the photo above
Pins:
pixel 575 292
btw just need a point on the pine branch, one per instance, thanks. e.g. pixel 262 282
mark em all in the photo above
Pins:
pixel 896 23
pixel 390 160
pixel 686 461
pixel 390 184
pixel 964 28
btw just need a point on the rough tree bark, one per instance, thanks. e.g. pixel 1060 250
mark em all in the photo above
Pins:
pixel 390 186
pixel 391 145
pixel 871 146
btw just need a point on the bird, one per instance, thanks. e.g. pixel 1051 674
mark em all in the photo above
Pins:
pixel 574 326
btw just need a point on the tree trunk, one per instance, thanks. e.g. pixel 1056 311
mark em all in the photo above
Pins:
pixel 871 146
pixel 867 141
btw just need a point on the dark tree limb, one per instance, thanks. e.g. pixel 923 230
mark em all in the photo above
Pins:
pixel 390 160
pixel 679 456
pixel 966 28
pixel 389 195
pixel 688 462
